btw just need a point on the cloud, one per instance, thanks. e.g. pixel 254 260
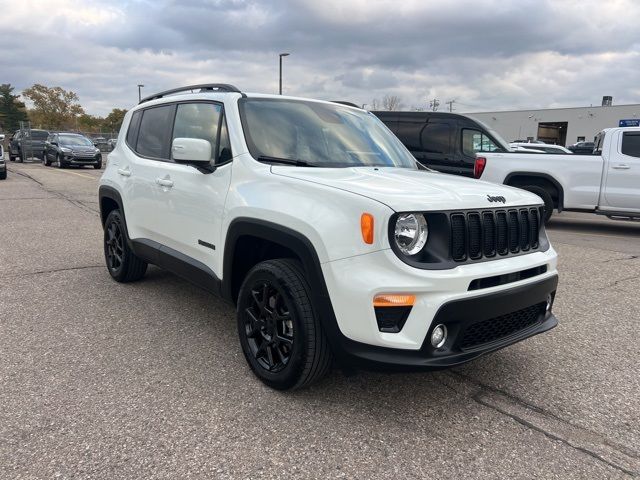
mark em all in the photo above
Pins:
pixel 485 54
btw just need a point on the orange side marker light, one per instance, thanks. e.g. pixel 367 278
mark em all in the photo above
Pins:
pixel 366 227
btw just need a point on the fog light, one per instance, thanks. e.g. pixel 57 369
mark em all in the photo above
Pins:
pixel 438 336
pixel 549 302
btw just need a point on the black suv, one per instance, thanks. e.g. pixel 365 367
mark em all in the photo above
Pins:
pixel 27 143
pixel 447 142
pixel 582 148
pixel 66 149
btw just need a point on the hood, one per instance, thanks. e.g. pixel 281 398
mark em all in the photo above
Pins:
pixel 413 190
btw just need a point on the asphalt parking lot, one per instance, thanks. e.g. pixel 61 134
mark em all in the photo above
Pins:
pixel 147 380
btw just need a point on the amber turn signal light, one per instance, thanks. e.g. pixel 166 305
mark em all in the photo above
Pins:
pixel 394 300
pixel 366 227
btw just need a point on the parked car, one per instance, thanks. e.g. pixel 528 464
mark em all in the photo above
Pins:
pixel 582 148
pixel 540 147
pixel 319 226
pixel 606 183
pixel 71 149
pixel 101 143
pixel 446 142
pixel 3 164
pixel 111 143
pixel 26 144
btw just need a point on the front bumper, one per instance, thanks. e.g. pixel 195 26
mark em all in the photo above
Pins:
pixel 466 319
pixel 75 160
pixel 441 296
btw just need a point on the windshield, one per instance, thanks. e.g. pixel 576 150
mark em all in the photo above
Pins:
pixel 496 136
pixel 75 140
pixel 319 134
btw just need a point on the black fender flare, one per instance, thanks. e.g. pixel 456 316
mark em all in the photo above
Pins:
pixel 304 250
pixel 544 176
pixel 111 193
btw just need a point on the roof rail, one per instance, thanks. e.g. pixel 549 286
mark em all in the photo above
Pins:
pixel 213 87
pixel 348 104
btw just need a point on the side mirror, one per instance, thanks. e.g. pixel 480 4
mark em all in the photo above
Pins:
pixel 191 150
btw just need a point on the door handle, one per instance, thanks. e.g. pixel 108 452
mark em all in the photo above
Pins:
pixel 164 182
pixel 621 166
pixel 125 172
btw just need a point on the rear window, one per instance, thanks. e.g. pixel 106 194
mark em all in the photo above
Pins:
pixel 132 133
pixel 154 132
pixel 39 134
pixel 631 144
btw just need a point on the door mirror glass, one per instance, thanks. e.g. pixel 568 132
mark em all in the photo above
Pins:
pixel 191 150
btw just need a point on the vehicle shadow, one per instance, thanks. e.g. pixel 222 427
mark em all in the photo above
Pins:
pixel 613 227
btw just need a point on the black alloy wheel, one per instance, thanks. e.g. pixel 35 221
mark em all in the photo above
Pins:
pixel 122 263
pixel 269 327
pixel 281 336
pixel 114 246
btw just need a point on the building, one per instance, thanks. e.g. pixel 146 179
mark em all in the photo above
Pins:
pixel 562 126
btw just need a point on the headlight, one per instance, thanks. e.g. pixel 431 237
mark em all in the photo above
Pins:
pixel 65 150
pixel 411 233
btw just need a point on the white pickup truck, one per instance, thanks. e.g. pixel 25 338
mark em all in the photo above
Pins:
pixel 605 183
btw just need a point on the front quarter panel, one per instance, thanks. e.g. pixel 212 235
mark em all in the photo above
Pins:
pixel 328 218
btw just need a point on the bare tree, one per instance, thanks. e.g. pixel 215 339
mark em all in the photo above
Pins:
pixel 375 104
pixel 391 102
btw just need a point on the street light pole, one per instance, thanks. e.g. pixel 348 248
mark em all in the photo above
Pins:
pixel 140 94
pixel 282 55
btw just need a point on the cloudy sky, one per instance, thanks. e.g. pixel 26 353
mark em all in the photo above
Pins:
pixel 485 54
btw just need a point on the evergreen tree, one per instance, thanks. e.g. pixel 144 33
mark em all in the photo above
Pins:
pixel 12 110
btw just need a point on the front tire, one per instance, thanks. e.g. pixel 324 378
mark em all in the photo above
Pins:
pixel 3 175
pixel 98 166
pixel 123 265
pixel 281 337
pixel 45 160
pixel 59 162
pixel 546 198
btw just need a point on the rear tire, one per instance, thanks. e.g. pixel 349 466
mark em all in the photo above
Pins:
pixel 123 265
pixel 3 175
pixel 546 198
pixel 281 336
pixel 45 160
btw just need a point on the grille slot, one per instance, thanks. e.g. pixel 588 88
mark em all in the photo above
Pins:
pixel 534 224
pixel 514 232
pixel 489 232
pixel 458 237
pixel 485 234
pixel 502 228
pixel 475 236
pixel 524 230
pixel 503 326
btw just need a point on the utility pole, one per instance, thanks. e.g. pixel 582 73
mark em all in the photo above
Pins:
pixel 139 91
pixel 450 103
pixel 434 104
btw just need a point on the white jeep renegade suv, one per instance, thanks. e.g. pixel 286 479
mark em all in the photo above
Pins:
pixel 318 225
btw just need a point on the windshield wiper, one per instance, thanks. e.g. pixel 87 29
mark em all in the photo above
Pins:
pixel 285 161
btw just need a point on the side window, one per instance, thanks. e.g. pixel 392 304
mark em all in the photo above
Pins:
pixel 409 134
pixel 155 128
pixel 224 154
pixel 474 141
pixel 436 138
pixel 132 133
pixel 204 121
pixel 631 144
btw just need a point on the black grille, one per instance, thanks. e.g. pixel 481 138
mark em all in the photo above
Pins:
pixel 485 234
pixel 499 327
